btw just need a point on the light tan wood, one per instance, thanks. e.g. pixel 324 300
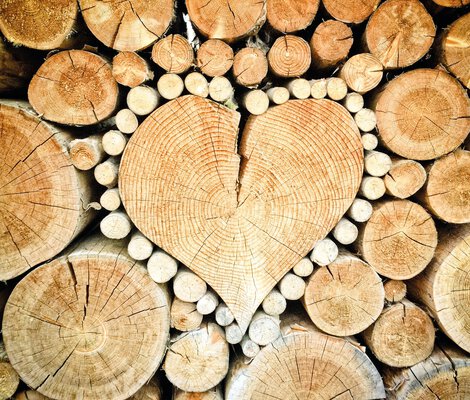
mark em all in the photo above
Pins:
pixel 150 391
pixel 187 286
pixel 128 25
pixel 372 187
pixel 289 56
pixel 197 361
pixel 143 99
pixel 278 95
pixel 421 114
pixel 353 102
pixel 130 69
pixel 330 44
pixel 366 120
pixel 303 268
pixel 250 66
pixel 233 333
pixel 360 210
pixel 9 380
pixel 399 239
pixel 76 308
pixel 395 291
pixel 291 286
pixel 274 303
pixel 173 53
pixel 336 89
pixel 184 316
pixel 207 304
pixel 161 266
pixel 377 163
pixel 30 395
pixel 139 247
pixel 345 297
pixel 369 141
pixel 324 252
pixel 362 72
pixel 116 225
pixel 289 16
pixel 220 89
pixel 126 121
pixel 114 142
pixel 223 315
pixel 249 348
pixel 299 88
pixel 106 173
pixel 264 328
pixel 214 57
pixel 44 199
pixel 405 178
pixel 111 200
pixel 399 33
pixel 212 394
pixel 350 11
pixel 16 67
pixel 318 88
pixel 196 83
pixel 256 101
pixel 86 153
pixel 402 336
pixel 345 232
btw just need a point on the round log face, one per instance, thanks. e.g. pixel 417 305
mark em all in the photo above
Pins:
pixel 291 15
pixel 241 225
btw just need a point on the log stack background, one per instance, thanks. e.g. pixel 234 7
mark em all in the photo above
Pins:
pixel 235 199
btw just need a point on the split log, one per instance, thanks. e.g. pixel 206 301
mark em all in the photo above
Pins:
pixel 249 348
pixel 256 102
pixel 443 286
pixel 330 44
pixel 106 173
pixel 304 363
pixel 143 99
pixel 345 232
pixel 139 247
pixel 422 114
pixel 362 72
pixel 289 56
pixel 274 303
pixel 116 225
pixel 399 239
pixel 42 208
pixel 377 163
pixel 196 83
pixel 228 21
pixel 278 94
pixel 184 316
pixel 402 336
pixel 150 391
pixel 345 297
pixel 128 25
pixel 93 310
pixel 350 11
pixel 369 141
pixel 250 66
pixel 214 57
pixel 126 121
pixel 289 16
pixel 207 304
pixel 299 88
pixel 173 53
pixel 161 266
pixel 291 286
pixel 16 67
pixel 220 89
pixel 353 102
pixel 111 200
pixel 197 361
pixel 113 142
pixel 212 394
pixel 336 89
pixel 365 120
pixel 130 69
pixel 74 87
pixel 30 395
pixel 395 291
pixel 233 333
pixel 405 178
pixel 324 252
pixel 264 328
pixel 360 210
pixel 86 153
pixel 303 268
pixel 223 315
pixel 318 88
pixel 372 187
pixel 188 286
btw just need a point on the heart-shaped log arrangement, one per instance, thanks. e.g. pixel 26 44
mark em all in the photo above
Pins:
pixel 241 220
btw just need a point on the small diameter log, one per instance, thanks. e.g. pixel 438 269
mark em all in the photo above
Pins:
pixel 299 88
pixel 289 56
pixel 372 187
pixel 377 163
pixel 454 48
pixel 184 316
pixel 214 58
pixel 353 102
pixel 128 26
pixel 197 361
pixel 173 53
pixel 196 83
pixel 233 333
pixel 399 239
pixel 423 114
pixel 212 394
pixel 38 24
pixel 142 100
pixel 369 141
pixel 130 69
pixel 249 348
pixel 116 225
pixel 350 11
pixel 395 291
pixel 360 210
pixel 126 121
pixel 16 67
pixel 365 120
pixel 274 303
pixel 336 89
pixel 113 142
pixel 399 33
pixel 402 336
pixel 303 268
pixel 9 380
pixel 78 307
pixel 362 72
pixel 405 178
pixel 207 304
pixel 74 87
pixel 264 328
pixel 139 247
pixel 150 391
pixel 228 21
pixel 446 193
pixel 86 153
pixel 250 66
pixel 452 3
pixel 345 232
pixel 291 286
pixel 324 252
pixel 106 173
pixel 318 88
pixel 111 200
pixel 30 395
pixel 161 266
pixel 345 297
pixel 220 89
pixel 278 94
pixel 188 286
pixel 330 44
pixel 256 102
pixel 289 16
pixel 170 86
pixel 223 315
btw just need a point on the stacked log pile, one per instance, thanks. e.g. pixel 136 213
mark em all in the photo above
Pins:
pixel 235 199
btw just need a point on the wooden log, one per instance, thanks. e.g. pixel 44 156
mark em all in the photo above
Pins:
pixel 369 141
pixel 212 394
pixel 402 336
pixel 345 297
pixel 256 102
pixel 353 102
pixel 188 286
pixel 318 88
pixel 9 378
pixel 264 328
pixel 139 247
pixel 289 16
pixel 150 391
pixel 74 87
pixel 44 200
pixel 442 287
pixel 220 89
pixel 399 239
pixel 278 94
pixel 405 178
pixel 126 121
pixel 250 66
pixel 233 333
pixel 16 67
pixel 196 83
pixel 30 395
pixel 116 225
pixel 303 268
pixel 184 316
pixel 299 88
pixel 399 33
pixel 372 187
pixel 377 163
pixel 227 21
pixel 330 44
pixel 324 252
pixel 350 11
pixel 173 53
pixel 161 266
pixel 289 56
pixel 111 200
pixel 143 99
pixel 291 286
pixel 106 173
pixel 214 57
pixel 38 24
pixel 130 69
pixel 304 363
pixel 77 307
pixel 362 72
pixel 190 354
pixel 430 127
pixel 249 348
pixel 170 86
pixel 113 142
pixel 86 153
pixel 207 304
pixel 223 315
pixel 345 232
pixel 360 210
pixel 336 89
pixel 452 3
pixel 128 26
pixel 274 303
pixel 365 120
pixel 395 291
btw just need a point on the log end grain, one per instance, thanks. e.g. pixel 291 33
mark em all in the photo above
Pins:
pixel 130 69
pixel 289 56
pixel 289 16
pixel 350 11
pixel 214 57
pixel 362 72
pixel 173 53
pixel 250 66
pixel 405 178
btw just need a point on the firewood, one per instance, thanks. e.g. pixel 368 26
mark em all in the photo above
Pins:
pixel 402 336
pixel 430 127
pixel 44 198
pixel 128 26
pixel 399 239
pixel 365 120
pixel 212 394
pixel 233 333
pixel 188 286
pixel 173 53
pixel 111 200
pixel 143 99
pixel 395 291
pixel 454 47
pixel 42 25
pixel 303 268
pixel 290 16
pixel 362 72
pixel 256 102
pixel 330 44
pixel 369 141
pixel 9 380
pixel 30 395
pixel 377 163
pixel 78 307
pixel 196 83
pixel 299 88
pixel 230 22
pixel 318 88
pixel 350 11
pixel 207 304
pixel 372 187
pixel 336 89
pixel 214 57
pixel 184 316
pixel 399 33
pixel 324 252
pixel 405 178
pixel 220 89
pixel 353 102
pixel 150 391
pixel 264 328
pixel 198 360
pixel 86 153
pixel 139 247
pixel 223 315
pixel 249 348
pixel 74 87
pixel 442 285
pixel 278 94
pixel 106 173
pixel 360 210
pixel 446 192
pixel 345 297
pixel 113 142
pixel 250 66
pixel 452 3
pixel 116 225
pixel 161 266
pixel 291 286
pixel 17 67
pixel 274 303
pixel 130 69
pixel 126 121
pixel 289 56
pixel 345 232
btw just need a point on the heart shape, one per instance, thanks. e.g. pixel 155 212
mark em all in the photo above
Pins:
pixel 241 221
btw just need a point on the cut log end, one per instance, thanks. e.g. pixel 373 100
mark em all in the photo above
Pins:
pixel 395 291
pixel 291 16
pixel 161 266
pixel 9 380
pixel 184 316
pixel 362 72
pixel 86 153
pixel 173 53
pixel 197 84
pixel 250 66
pixel 142 100
pixel 126 121
pixel 350 11
pixel 188 286
pixel 405 178
pixel 264 328
pixel 214 57
pixel 289 56
pixel 129 69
